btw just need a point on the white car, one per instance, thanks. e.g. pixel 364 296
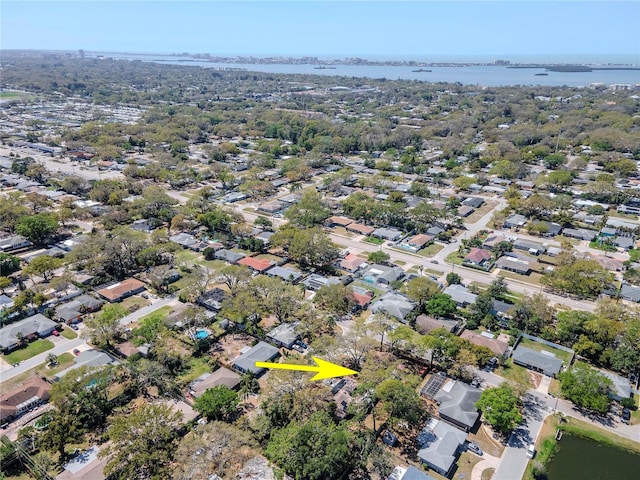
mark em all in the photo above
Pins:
pixel 531 450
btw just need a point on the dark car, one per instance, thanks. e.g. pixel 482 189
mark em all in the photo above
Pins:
pixel 626 415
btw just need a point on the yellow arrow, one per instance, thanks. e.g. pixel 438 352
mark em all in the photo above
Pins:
pixel 323 370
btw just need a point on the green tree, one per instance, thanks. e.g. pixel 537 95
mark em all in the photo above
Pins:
pixel 378 256
pixel 421 290
pixel 44 266
pixel 316 449
pixel 105 328
pixel 142 443
pixel 579 276
pixel 501 408
pixel 8 264
pixel 335 298
pixel 4 283
pixel 586 387
pixel 37 228
pixel 441 305
pixel 309 211
pixel 217 403
pixel 401 401
pixel 453 278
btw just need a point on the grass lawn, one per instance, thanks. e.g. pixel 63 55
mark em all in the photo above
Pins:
pixel 454 258
pixel 635 414
pixel 268 256
pixel 31 350
pixel 515 373
pixel 430 250
pixel 127 303
pixel 554 387
pixel 343 232
pixel 533 278
pixel 374 240
pixel 68 333
pixel 9 95
pixel 487 474
pixel 197 367
pixel 400 262
pixel 602 246
pixel 488 206
pixel 65 360
pixel 160 314
pixel 572 241
pixel 539 347
pixel 626 216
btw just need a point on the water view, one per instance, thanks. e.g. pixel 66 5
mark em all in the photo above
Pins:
pixel 579 457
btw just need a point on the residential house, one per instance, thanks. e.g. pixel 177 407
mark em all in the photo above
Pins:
pixel 426 324
pixel 73 311
pixel 360 229
pixel 478 256
pixel 285 273
pixel 6 303
pixel 580 233
pixel 146 225
pixel 362 297
pixel 212 299
pixel 36 326
pixel 456 404
pixel 390 234
pixel 229 256
pixel 515 221
pixel 464 211
pixel 261 352
pixel 222 376
pixel 257 265
pixel 352 263
pixel 543 362
pixel 234 197
pixel 88 358
pixel 440 445
pixel 410 473
pixel 382 274
pixel 264 236
pixel 625 243
pixel 336 221
pixel 474 202
pixel 284 335
pixel 416 242
pixel 513 264
pixel 498 347
pixel 630 293
pixel 186 240
pixel 23 398
pixel 315 281
pixel 13 243
pixel 121 290
pixel 621 387
pixel 493 240
pixel 553 229
pixel 531 247
pixel 271 207
pixel 460 294
pixel 395 305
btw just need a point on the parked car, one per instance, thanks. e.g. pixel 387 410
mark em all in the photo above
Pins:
pixel 76 351
pixel 56 333
pixel 531 450
pixel 475 448
pixel 434 261
pixel 74 326
pixel 626 415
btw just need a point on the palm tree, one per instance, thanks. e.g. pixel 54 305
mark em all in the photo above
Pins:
pixel 248 385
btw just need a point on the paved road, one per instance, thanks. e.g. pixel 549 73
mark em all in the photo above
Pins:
pixel 514 459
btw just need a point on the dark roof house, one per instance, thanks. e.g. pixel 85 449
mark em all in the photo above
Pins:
pixel 456 404
pixel 543 362
pixel 261 352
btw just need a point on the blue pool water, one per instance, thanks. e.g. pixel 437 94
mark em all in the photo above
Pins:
pixel 201 334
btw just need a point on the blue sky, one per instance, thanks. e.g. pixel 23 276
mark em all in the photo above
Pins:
pixel 415 29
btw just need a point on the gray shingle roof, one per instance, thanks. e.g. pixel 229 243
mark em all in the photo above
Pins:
pixel 457 403
pixel 439 443
pixel 262 352
pixel 547 362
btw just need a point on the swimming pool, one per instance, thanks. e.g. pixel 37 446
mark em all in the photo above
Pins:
pixel 201 334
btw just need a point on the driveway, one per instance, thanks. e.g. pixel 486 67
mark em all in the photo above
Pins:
pixel 514 459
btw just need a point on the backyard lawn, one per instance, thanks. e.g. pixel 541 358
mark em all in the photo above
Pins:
pixel 31 350
pixel 515 373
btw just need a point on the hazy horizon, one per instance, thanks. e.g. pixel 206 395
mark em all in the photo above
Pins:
pixel 417 30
